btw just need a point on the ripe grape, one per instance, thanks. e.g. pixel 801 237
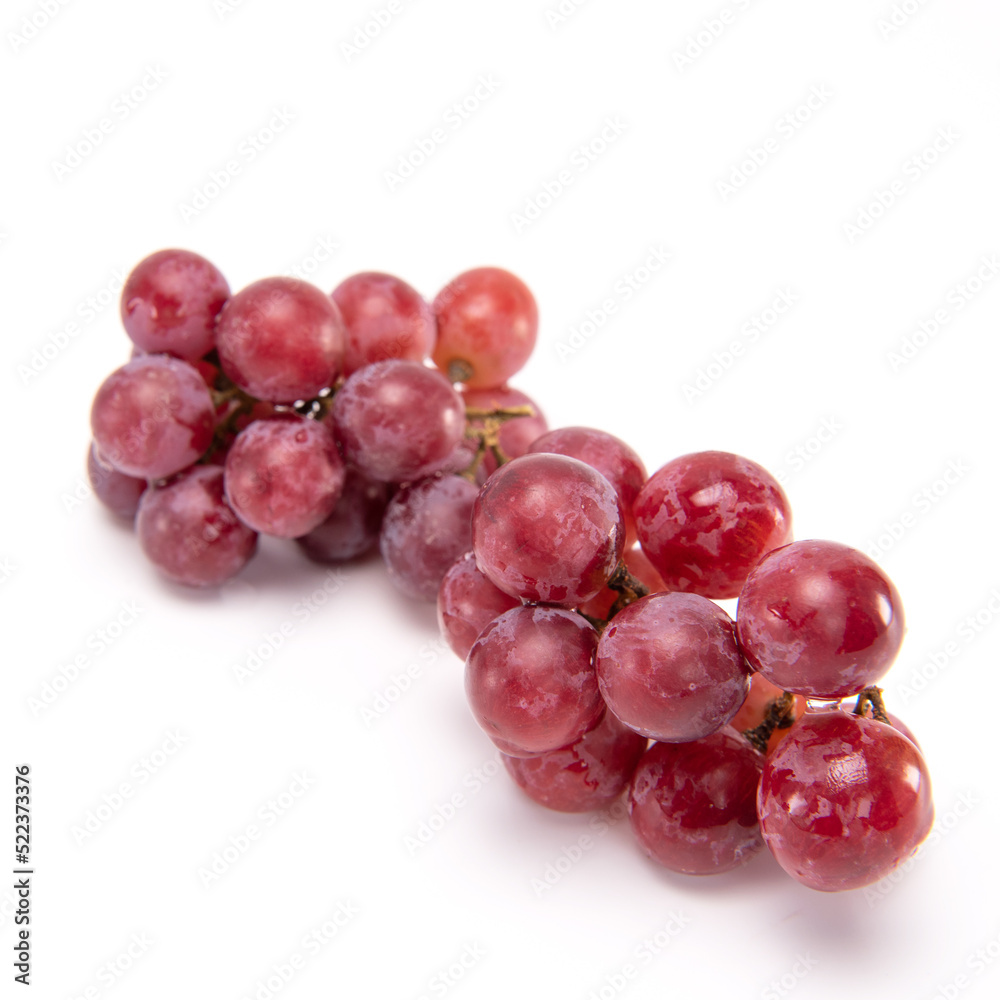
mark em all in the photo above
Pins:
pixel 284 475
pixel 398 421
pixel 114 489
pixel 170 303
pixel 384 318
pixel 820 619
pixel 548 528
pixel 190 533
pixel 353 527
pixel 530 680
pixel 705 519
pixel 152 417
pixel 467 602
pixel 693 805
pixel 844 800
pixel 281 339
pixel 588 774
pixel 487 323
pixel 669 667
pixel 426 527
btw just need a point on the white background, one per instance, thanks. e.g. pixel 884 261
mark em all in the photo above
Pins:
pixel 891 432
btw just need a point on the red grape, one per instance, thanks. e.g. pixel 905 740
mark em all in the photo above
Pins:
pixel 426 527
pixel 487 323
pixel 820 619
pixel 152 417
pixel 114 489
pixel 170 303
pixel 705 519
pixel 669 667
pixel 353 527
pixel 398 421
pixel 190 533
pixel 548 528
pixel 530 680
pixel 284 475
pixel 844 800
pixel 281 339
pixel 467 602
pixel 693 805
pixel 588 774
pixel 384 318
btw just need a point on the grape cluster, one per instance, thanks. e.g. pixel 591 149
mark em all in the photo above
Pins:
pixel 580 590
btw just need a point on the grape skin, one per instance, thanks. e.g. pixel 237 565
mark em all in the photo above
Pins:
pixel 118 492
pixel 467 602
pixel 352 529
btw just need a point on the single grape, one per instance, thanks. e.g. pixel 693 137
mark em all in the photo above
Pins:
pixel 398 421
pixel 384 318
pixel 114 489
pixel 281 339
pixel 843 801
pixel 548 528
pixel 467 602
pixel 515 434
pixel 705 520
pixel 353 527
pixel 152 417
pixel 638 564
pixel 894 720
pixel 190 533
pixel 612 457
pixel 487 322
pixel 588 774
pixel 284 475
pixel 820 619
pixel 761 696
pixel 693 805
pixel 530 680
pixel 170 303
pixel 426 527
pixel 669 667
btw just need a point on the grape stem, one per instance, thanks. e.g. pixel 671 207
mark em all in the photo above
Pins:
pixel 487 437
pixel 872 696
pixel 629 588
pixel 777 716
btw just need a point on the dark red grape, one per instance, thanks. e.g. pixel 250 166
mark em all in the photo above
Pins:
pixel 152 417
pixel 170 303
pixel 353 527
pixel 530 680
pixel 693 805
pixel 487 323
pixel 843 800
pixel 190 533
pixel 467 602
pixel 820 619
pixel 705 520
pixel 118 492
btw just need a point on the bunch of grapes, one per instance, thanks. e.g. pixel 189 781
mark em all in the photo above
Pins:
pixel 580 591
